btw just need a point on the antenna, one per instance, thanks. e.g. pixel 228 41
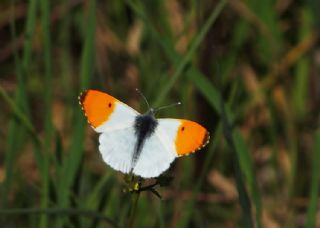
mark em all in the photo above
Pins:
pixel 144 98
pixel 167 106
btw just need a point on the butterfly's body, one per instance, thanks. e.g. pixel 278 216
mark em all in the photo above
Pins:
pixel 139 143
pixel 144 126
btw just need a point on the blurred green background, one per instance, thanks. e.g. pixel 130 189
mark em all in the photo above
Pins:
pixel 247 70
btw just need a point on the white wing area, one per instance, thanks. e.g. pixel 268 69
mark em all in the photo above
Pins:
pixel 158 152
pixel 156 156
pixel 169 128
pixel 122 117
pixel 117 146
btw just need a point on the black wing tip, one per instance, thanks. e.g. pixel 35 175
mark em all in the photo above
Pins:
pixel 82 96
pixel 206 139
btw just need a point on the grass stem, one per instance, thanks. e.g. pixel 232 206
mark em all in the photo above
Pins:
pixel 133 210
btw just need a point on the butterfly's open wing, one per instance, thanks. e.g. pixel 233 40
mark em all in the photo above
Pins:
pixel 185 136
pixel 172 138
pixel 117 147
pixel 105 112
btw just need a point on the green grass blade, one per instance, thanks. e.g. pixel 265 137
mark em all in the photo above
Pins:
pixel 75 152
pixel 315 179
pixel 187 58
pixel 302 69
pixel 87 61
pixel 247 168
pixel 314 6
pixel 212 95
pixel 48 127
pixel 243 195
pixel 165 43
pixel 20 116
pixel 29 33
pixel 19 106
pixel 206 88
pixel 269 42
pixel 95 193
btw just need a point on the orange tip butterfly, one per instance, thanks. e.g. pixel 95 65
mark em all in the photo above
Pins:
pixel 136 143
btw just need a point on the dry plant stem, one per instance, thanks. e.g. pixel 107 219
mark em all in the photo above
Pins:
pixel 134 204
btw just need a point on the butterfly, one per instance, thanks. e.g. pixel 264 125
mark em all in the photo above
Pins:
pixel 136 143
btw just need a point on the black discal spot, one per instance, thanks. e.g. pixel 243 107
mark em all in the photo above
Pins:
pixel 109 105
pixel 182 129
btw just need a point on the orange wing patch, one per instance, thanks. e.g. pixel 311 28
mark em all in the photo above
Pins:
pixel 191 136
pixel 97 106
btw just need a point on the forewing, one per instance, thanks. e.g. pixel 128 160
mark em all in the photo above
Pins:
pixel 185 136
pixel 105 112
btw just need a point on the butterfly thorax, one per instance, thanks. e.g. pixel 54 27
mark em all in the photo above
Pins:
pixel 144 127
